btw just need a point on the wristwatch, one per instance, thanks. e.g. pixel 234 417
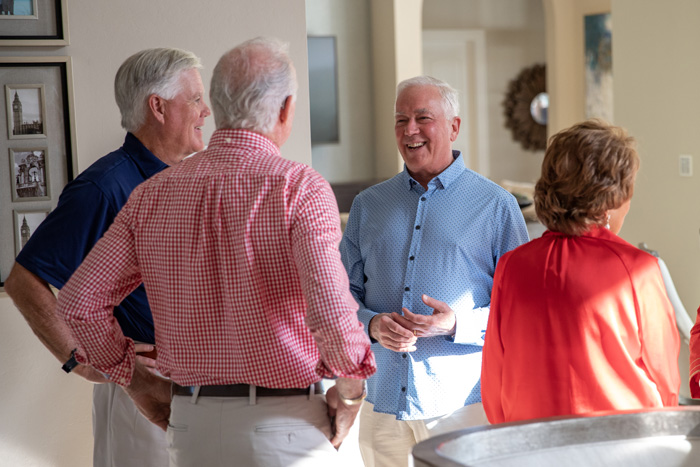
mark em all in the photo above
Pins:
pixel 71 363
pixel 356 400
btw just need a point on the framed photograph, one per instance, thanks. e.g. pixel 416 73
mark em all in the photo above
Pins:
pixel 598 62
pixel 26 111
pixel 28 173
pixel 33 23
pixel 18 9
pixel 41 160
pixel 26 223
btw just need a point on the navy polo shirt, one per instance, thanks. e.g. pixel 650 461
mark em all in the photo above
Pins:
pixel 86 208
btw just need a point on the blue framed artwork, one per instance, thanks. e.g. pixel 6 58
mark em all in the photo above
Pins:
pixel 33 23
pixel 598 66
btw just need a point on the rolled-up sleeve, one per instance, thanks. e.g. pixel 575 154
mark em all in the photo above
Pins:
pixel 332 311
pixel 109 273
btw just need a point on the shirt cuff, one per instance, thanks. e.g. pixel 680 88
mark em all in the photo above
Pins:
pixel 470 328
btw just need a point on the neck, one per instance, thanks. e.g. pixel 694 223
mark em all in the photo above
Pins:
pixel 160 148
pixel 275 136
pixel 422 180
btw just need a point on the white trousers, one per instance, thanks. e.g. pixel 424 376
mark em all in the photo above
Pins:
pixel 228 431
pixel 122 436
pixel 387 442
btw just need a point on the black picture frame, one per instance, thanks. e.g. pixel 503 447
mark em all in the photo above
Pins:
pixel 47 25
pixel 57 145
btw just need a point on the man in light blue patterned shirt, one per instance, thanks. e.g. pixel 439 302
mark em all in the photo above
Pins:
pixel 421 250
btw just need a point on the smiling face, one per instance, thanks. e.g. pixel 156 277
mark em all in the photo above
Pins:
pixel 423 134
pixel 184 116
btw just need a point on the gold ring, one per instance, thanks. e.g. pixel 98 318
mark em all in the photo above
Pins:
pixel 415 333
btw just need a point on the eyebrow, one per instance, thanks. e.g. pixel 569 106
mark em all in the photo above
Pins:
pixel 414 112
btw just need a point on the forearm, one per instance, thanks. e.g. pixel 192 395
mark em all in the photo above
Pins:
pixel 37 303
pixel 350 388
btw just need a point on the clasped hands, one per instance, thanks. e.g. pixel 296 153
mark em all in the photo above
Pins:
pixel 401 332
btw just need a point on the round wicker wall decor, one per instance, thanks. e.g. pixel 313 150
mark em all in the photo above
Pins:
pixel 522 90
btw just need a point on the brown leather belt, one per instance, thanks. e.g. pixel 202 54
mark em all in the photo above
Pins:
pixel 243 390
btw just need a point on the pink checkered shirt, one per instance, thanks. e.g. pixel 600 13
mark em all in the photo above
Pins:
pixel 237 248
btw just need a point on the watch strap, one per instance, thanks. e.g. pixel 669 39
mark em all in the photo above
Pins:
pixel 71 363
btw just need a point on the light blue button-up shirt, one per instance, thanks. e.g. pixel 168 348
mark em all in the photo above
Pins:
pixel 402 241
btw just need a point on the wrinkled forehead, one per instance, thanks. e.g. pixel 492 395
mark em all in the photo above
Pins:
pixel 419 100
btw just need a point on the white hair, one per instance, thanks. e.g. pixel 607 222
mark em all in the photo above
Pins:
pixel 151 71
pixel 450 97
pixel 250 83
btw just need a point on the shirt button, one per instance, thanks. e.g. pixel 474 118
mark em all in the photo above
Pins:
pixel 407 289
pixel 403 389
pixel 423 198
pixel 418 227
pixel 404 355
pixel 411 257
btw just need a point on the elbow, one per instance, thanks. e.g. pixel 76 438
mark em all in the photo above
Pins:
pixel 11 283
pixel 22 284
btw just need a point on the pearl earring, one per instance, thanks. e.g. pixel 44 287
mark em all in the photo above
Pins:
pixel 607 222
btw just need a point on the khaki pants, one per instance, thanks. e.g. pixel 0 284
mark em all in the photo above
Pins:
pixel 122 436
pixel 387 442
pixel 229 431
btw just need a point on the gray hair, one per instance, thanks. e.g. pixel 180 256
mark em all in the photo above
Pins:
pixel 250 83
pixel 151 71
pixel 450 97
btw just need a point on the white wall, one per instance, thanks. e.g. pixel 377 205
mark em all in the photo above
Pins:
pixel 44 413
pixel 352 158
pixel 515 38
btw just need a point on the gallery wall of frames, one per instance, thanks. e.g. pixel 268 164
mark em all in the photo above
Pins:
pixel 37 134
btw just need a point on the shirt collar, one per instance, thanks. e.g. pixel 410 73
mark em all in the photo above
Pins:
pixel 144 159
pixel 444 178
pixel 595 231
pixel 244 139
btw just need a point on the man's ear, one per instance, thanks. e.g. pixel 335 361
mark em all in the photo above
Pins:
pixel 284 111
pixel 456 122
pixel 156 105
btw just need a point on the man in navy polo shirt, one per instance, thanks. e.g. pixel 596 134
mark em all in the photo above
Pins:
pixel 160 95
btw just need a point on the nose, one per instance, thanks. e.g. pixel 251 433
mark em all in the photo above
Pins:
pixel 206 111
pixel 411 127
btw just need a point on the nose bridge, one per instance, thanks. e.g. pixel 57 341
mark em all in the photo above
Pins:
pixel 411 126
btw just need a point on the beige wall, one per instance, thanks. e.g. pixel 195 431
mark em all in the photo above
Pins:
pixel 656 97
pixel 656 67
pixel 44 413
pixel 515 38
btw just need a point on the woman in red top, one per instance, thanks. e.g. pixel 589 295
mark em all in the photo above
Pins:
pixel 580 321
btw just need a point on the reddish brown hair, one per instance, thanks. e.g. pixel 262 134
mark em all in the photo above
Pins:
pixel 587 170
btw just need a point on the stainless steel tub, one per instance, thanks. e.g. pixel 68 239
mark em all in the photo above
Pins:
pixel 664 437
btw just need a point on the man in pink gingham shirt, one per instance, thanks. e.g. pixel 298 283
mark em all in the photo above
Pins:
pixel 237 248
